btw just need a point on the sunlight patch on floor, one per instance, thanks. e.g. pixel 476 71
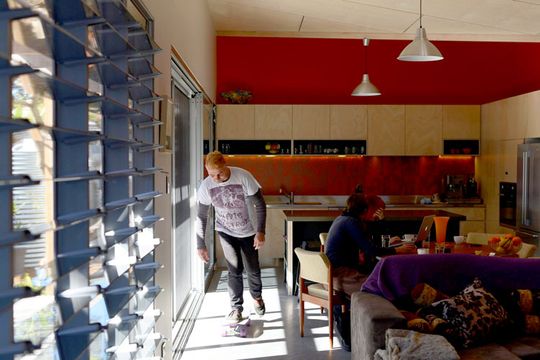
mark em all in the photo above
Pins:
pixel 276 335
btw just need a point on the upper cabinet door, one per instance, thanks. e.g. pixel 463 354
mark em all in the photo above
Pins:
pixel 273 122
pixel 533 109
pixel 311 122
pixel 235 122
pixel 461 122
pixel 423 129
pixel 386 130
pixel 348 122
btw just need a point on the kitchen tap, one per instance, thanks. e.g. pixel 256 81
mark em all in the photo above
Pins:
pixel 289 196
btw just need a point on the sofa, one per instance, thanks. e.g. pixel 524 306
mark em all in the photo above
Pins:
pixel 373 310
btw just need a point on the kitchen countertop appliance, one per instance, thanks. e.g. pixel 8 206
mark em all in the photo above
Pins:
pixel 528 192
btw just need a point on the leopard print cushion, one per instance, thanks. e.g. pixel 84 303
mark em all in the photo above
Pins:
pixel 473 315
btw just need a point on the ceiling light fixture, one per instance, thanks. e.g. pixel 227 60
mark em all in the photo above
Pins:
pixel 420 49
pixel 365 88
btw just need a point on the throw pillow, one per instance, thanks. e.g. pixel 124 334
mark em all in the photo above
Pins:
pixel 523 307
pixel 472 316
pixel 425 295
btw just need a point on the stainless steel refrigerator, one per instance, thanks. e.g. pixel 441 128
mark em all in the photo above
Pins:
pixel 528 192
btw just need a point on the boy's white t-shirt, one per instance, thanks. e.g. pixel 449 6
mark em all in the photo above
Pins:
pixel 234 213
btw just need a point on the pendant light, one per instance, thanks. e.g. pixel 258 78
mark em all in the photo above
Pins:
pixel 420 49
pixel 365 88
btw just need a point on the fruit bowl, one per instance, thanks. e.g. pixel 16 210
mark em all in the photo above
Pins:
pixel 506 244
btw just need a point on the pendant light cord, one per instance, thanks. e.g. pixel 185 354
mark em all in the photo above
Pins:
pixel 420 13
pixel 366 43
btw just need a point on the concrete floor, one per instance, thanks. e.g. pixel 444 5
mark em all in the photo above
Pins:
pixel 276 335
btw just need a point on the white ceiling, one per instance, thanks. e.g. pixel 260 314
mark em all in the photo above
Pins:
pixel 478 20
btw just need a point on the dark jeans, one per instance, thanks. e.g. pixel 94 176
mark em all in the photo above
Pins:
pixel 240 251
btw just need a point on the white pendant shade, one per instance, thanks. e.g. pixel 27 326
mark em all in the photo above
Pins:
pixel 421 49
pixel 366 88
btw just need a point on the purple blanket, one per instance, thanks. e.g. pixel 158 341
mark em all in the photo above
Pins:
pixel 395 276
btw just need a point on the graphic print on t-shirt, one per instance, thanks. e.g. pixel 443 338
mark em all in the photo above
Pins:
pixel 231 211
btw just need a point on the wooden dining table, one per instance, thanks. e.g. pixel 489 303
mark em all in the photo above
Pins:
pixel 464 248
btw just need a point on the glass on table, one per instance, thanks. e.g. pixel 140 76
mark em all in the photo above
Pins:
pixel 441 223
pixel 385 241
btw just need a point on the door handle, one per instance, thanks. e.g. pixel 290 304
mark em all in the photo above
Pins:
pixel 525 187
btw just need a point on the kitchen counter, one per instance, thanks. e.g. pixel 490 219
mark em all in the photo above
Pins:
pixel 390 214
pixel 337 202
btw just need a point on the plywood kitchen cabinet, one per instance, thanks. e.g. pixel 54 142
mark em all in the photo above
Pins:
pixel 274 246
pixel 273 122
pixel 386 130
pixel 476 217
pixel 423 129
pixel 514 118
pixel 235 122
pixel 461 122
pixel 348 122
pixel 533 114
pixel 507 160
pixel 311 122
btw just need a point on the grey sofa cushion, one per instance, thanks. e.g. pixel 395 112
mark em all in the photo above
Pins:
pixel 371 315
pixel 490 351
pixel 526 347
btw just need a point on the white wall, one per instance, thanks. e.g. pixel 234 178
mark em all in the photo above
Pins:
pixel 186 25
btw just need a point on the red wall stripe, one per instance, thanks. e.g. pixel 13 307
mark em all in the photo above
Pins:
pixel 324 71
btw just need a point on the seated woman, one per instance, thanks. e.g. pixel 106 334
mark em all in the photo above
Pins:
pixel 348 249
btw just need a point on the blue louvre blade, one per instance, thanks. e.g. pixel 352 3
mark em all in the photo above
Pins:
pixel 7 296
pixel 113 76
pixel 148 195
pixel 79 330
pixel 147 171
pixel 58 88
pixel 16 181
pixel 147 147
pixel 121 172
pixel 90 175
pixel 149 100
pixel 77 217
pixel 142 69
pixel 14 14
pixel 24 347
pixel 70 136
pixel 117 14
pixel 119 234
pixel 147 221
pixel 148 266
pixel 84 253
pixel 15 69
pixel 17 237
pixel 148 124
pixel 141 41
pixel 112 205
pixel 13 125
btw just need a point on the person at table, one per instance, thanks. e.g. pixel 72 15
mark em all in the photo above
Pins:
pixel 350 252
pixel 371 219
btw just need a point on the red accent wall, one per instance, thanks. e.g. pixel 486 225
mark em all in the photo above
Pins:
pixel 325 71
pixel 322 175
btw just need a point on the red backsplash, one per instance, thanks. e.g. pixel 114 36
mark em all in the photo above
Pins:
pixel 388 175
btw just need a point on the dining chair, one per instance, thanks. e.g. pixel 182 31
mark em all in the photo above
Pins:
pixel 527 250
pixel 316 268
pixel 322 237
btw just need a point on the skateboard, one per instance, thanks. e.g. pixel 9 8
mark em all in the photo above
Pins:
pixel 237 329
